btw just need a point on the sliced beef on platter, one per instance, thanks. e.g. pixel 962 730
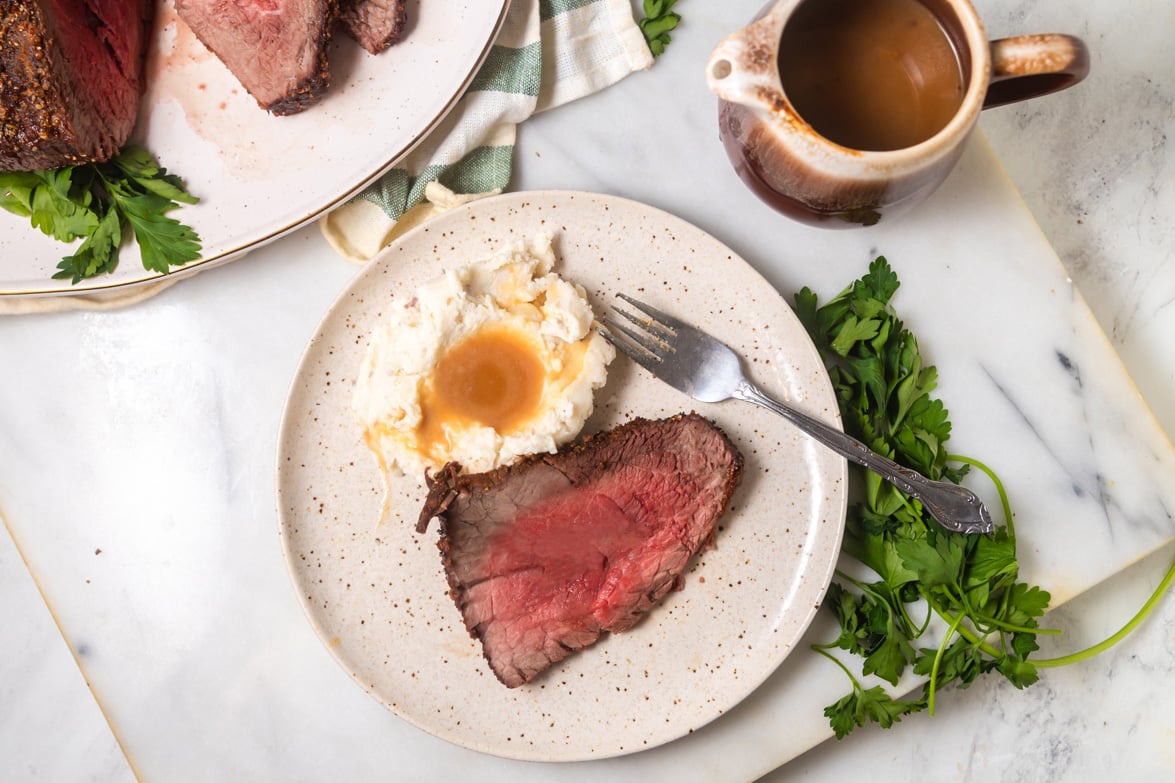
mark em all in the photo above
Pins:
pixel 71 78
pixel 277 49
pixel 375 24
pixel 546 555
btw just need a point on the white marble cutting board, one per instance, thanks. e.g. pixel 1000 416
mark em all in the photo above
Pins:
pixel 143 502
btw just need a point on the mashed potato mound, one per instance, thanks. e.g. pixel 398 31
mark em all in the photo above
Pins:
pixel 481 365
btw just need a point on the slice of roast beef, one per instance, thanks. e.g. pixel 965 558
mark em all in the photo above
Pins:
pixel 375 24
pixel 277 49
pixel 544 556
pixel 71 78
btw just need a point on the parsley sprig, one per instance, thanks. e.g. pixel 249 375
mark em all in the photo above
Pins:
pixel 96 202
pixel 969 583
pixel 658 22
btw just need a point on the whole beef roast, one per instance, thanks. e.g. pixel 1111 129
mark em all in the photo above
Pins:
pixel 71 78
pixel 375 24
pixel 544 556
pixel 277 49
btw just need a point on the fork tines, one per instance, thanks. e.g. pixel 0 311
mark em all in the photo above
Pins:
pixel 637 347
pixel 662 324
pixel 651 341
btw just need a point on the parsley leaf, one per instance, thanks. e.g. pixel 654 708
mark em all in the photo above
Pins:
pixel 936 559
pixel 96 255
pixel 163 240
pixel 891 655
pixel 96 202
pixel 1018 672
pixel 1025 604
pixel 16 191
pixel 971 583
pixel 852 331
pixel 60 210
pixel 657 23
pixel 862 706
pixel 992 557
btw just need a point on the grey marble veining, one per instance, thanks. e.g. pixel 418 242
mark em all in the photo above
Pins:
pixel 1096 167
pixel 50 726
pixel 1102 720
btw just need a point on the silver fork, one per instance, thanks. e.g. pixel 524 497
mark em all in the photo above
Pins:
pixel 693 362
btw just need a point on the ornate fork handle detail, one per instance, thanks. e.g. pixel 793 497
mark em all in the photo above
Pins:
pixel 951 504
pixel 708 370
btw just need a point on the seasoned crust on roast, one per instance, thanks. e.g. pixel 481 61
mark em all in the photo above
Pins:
pixel 71 78
pixel 375 24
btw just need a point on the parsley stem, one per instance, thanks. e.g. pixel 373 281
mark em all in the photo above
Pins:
pixel 915 630
pixel 846 578
pixel 994 623
pixel 965 632
pixel 937 660
pixel 1109 642
pixel 999 488
pixel 970 585
pixel 892 603
pixel 823 651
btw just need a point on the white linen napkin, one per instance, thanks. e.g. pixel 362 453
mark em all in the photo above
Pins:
pixel 549 52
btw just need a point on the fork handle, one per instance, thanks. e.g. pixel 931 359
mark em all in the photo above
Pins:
pixel 953 506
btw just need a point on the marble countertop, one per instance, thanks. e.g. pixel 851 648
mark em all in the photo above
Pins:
pixel 1095 168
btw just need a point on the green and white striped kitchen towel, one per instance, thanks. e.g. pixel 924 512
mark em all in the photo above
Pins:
pixel 549 52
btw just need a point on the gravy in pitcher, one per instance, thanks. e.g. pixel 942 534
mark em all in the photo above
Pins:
pixel 870 74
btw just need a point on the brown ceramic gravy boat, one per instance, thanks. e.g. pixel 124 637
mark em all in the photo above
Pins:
pixel 817 181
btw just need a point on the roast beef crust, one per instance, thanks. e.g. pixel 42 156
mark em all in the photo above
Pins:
pixel 308 92
pixel 374 24
pixel 447 483
pixel 54 112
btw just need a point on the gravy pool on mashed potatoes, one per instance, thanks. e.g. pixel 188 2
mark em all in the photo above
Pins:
pixel 481 365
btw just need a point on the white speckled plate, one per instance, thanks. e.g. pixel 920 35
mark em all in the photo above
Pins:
pixel 259 176
pixel 378 596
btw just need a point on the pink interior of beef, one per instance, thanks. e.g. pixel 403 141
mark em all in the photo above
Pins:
pixel 102 41
pixel 277 49
pixel 586 563
pixel 544 556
